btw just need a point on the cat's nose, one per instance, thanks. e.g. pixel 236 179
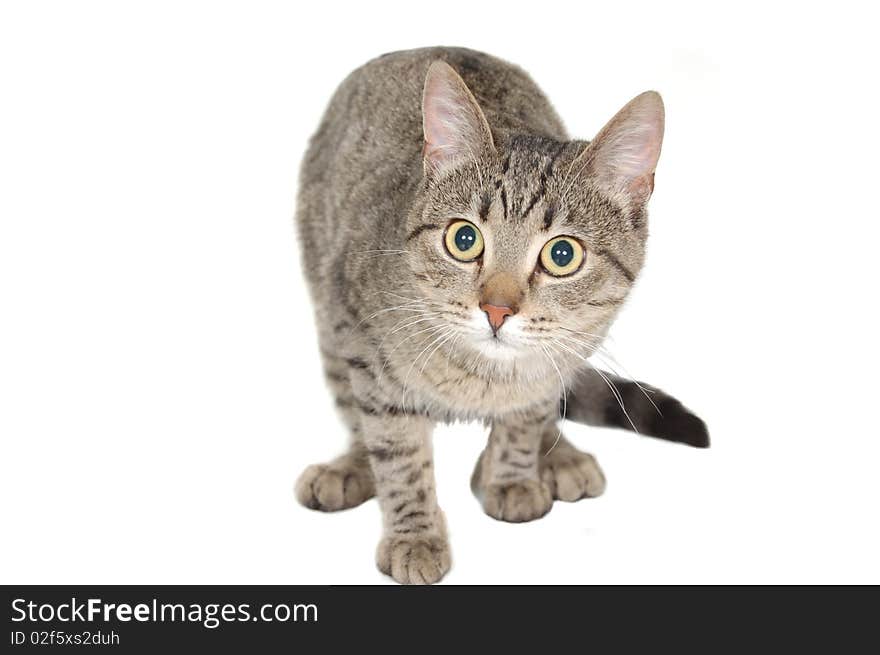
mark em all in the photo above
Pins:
pixel 499 298
pixel 496 314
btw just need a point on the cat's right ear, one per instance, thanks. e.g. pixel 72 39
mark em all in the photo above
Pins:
pixel 624 154
pixel 455 127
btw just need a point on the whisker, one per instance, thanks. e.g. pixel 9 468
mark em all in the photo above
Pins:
pixel 586 334
pixel 567 187
pixel 402 307
pixel 409 371
pixel 605 356
pixel 609 383
pixel 432 330
pixel 437 347
pixel 416 314
pixel 564 401
pixel 364 252
pixel 427 317
pixel 386 254
pixel 397 295
pixel 568 172
pixel 452 346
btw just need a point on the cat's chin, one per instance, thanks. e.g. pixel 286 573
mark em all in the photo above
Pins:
pixel 498 349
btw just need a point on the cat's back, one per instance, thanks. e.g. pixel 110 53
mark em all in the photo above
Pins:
pixel 387 92
pixel 373 125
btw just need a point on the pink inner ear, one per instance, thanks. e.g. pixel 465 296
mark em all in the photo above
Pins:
pixel 441 133
pixel 635 151
pixel 627 149
pixel 453 123
pixel 642 187
pixel 446 127
pixel 642 167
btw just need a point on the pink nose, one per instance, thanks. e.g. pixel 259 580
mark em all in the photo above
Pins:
pixel 496 314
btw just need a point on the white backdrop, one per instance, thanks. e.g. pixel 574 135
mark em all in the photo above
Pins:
pixel 160 388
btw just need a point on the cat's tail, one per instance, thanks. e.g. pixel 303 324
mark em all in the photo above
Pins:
pixel 633 406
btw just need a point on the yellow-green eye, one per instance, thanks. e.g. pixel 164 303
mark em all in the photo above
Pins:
pixel 464 241
pixel 562 256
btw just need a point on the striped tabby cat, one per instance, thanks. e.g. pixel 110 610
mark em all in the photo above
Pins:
pixel 465 258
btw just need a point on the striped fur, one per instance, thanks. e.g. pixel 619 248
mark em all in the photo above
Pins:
pixel 403 339
pixel 648 410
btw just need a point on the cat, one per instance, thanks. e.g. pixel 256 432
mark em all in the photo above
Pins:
pixel 465 258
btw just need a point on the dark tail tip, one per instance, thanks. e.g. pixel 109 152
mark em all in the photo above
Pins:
pixel 639 407
pixel 684 427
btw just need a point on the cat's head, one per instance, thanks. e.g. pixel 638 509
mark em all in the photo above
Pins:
pixel 527 244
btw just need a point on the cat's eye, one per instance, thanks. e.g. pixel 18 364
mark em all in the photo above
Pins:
pixel 463 241
pixel 562 256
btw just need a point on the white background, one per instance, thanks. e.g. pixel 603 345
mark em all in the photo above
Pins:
pixel 160 389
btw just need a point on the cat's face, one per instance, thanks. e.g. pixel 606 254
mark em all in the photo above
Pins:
pixel 521 259
pixel 528 246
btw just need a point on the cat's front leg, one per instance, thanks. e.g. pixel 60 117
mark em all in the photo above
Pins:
pixel 527 464
pixel 414 548
pixel 507 479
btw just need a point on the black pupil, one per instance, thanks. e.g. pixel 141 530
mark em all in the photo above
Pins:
pixel 562 253
pixel 465 238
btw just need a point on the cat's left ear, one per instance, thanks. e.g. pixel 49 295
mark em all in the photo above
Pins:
pixel 455 127
pixel 624 154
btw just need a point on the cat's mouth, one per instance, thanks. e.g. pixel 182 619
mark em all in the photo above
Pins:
pixel 501 344
pixel 496 346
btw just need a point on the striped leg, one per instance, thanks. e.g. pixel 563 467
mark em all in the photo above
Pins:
pixel 347 481
pixel 527 465
pixel 507 479
pixel 414 548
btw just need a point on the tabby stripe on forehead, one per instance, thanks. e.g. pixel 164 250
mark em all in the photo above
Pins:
pixel 614 261
pixel 504 200
pixel 485 206
pixel 535 198
pixel 424 227
pixel 542 187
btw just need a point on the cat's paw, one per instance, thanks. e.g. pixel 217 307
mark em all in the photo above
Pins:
pixel 572 475
pixel 331 487
pixel 523 500
pixel 414 559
